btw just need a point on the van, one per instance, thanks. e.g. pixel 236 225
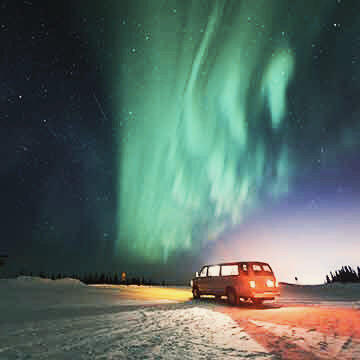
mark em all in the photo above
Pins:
pixel 239 281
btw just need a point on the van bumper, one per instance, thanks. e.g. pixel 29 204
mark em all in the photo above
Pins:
pixel 266 295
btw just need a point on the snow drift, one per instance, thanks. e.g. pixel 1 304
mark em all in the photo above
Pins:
pixel 34 281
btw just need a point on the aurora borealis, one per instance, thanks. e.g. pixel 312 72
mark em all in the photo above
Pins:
pixel 207 91
pixel 144 134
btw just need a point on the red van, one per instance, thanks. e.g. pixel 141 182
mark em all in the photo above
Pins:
pixel 239 281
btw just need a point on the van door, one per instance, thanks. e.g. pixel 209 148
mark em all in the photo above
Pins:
pixel 203 280
pixel 214 280
pixel 229 277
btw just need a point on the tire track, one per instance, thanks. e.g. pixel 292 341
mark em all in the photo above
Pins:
pixel 302 332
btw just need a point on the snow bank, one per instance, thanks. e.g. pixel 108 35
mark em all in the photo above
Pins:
pixel 37 284
pixel 34 281
pixel 353 286
pixel 336 294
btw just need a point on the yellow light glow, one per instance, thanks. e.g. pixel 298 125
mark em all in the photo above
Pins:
pixel 145 292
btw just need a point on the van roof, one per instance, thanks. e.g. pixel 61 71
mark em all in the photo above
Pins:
pixel 238 263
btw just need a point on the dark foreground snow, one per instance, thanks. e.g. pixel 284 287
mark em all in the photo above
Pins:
pixel 45 319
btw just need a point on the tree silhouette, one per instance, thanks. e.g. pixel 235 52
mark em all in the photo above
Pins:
pixel 344 275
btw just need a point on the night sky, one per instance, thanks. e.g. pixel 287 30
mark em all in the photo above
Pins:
pixel 154 136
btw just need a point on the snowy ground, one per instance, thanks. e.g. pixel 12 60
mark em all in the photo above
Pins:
pixel 44 319
pixel 340 295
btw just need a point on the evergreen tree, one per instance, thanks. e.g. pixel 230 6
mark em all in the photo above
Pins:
pixel 95 279
pixel 102 278
pixel 108 279
pixel 345 274
pixel 116 279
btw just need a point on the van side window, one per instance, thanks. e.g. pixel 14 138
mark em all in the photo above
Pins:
pixel 266 268
pixel 244 267
pixel 203 272
pixel 229 270
pixel 256 267
pixel 214 270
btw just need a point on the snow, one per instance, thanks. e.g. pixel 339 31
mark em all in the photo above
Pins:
pixel 45 319
pixel 182 333
pixel 336 294
pixel 35 281
pixel 315 342
pixel 66 319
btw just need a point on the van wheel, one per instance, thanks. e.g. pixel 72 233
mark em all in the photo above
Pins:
pixel 257 301
pixel 233 299
pixel 196 293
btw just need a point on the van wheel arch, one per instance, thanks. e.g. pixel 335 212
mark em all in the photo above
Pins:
pixel 232 297
pixel 257 302
pixel 196 292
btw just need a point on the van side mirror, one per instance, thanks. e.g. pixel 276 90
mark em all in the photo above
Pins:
pixel 196 274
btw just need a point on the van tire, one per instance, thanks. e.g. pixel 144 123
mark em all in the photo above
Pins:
pixel 196 293
pixel 233 299
pixel 257 301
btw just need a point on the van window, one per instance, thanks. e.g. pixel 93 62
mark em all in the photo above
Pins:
pixel 229 270
pixel 266 268
pixel 261 269
pixel 256 267
pixel 203 272
pixel 214 270
pixel 244 267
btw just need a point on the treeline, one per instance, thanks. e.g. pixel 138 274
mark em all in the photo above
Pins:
pixel 98 278
pixel 344 275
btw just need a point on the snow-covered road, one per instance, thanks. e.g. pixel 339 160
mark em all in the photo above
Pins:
pixel 67 320
pixel 183 332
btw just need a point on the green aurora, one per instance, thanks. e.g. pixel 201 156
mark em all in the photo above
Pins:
pixel 205 139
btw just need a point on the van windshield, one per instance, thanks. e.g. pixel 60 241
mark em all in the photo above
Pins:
pixel 261 269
